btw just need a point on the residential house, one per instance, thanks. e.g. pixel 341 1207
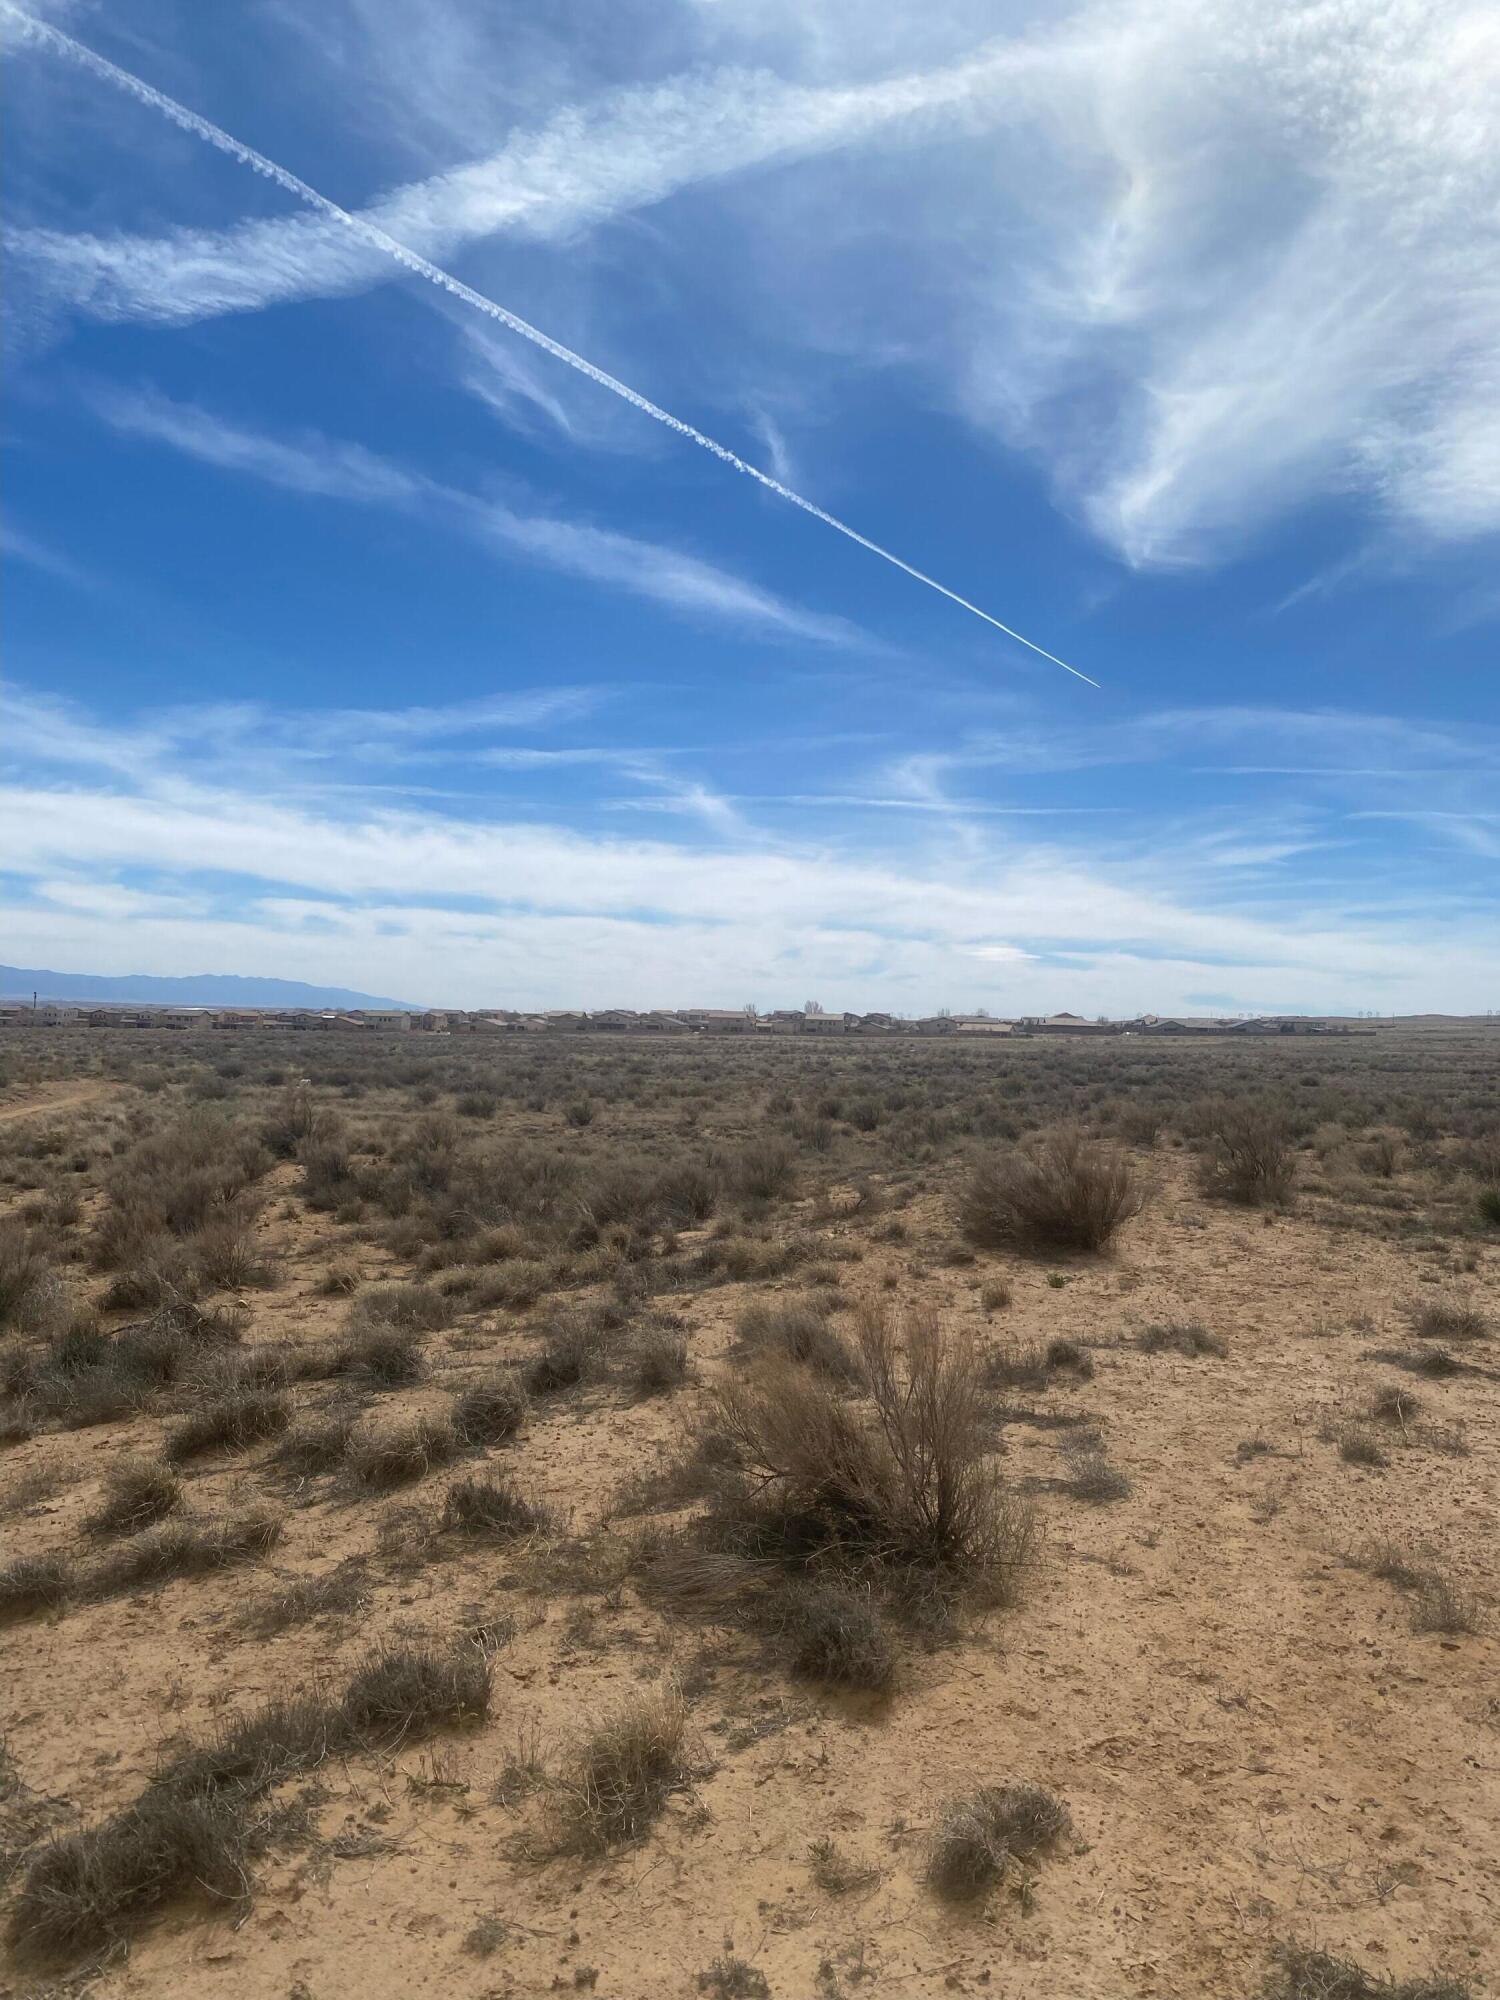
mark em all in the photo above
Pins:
pixel 781 1021
pixel 1068 1024
pixel 826 1024
pixel 718 1020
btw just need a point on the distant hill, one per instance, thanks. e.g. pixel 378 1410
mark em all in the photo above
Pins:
pixel 199 989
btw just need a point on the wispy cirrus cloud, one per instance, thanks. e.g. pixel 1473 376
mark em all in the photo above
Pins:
pixel 325 468
pixel 625 150
pixel 18 547
pixel 1207 262
pixel 342 879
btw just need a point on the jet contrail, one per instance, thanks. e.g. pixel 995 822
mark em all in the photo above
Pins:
pixel 48 37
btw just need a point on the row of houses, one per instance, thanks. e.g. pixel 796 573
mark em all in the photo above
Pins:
pixel 743 1021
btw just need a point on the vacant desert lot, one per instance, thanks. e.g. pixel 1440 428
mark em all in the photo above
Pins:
pixel 683 1519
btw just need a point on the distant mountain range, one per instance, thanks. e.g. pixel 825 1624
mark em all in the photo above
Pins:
pixel 199 989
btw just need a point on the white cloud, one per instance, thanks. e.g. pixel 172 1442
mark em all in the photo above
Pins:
pixel 380 869
pixel 190 828
pixel 625 150
pixel 19 547
pixel 1208 259
pixel 325 468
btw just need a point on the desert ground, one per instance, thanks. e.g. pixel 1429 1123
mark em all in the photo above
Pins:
pixel 648 1519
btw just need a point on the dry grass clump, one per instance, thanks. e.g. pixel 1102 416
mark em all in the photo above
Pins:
pixel 332 1595
pixel 402 1453
pixel 764 1169
pixel 833 1632
pixel 317 1445
pixel 659 1361
pixel 401 1689
pixel 83 1376
pixel 1033 1364
pixel 621 1774
pixel 1250 1156
pixel 33 1584
pixel 137 1495
pixel 227 1256
pixel 800 1330
pixel 572 1352
pixel 389 1356
pixel 733 1978
pixel 1302 1974
pixel 1443 1606
pixel 1450 1319
pixel 192 1828
pixel 1091 1475
pixel 979 1836
pixel 1391 1404
pixel 1063 1191
pixel 184 1548
pixel 156 1555
pixel 490 1411
pixel 1438 1603
pixel 494 1509
pixel 86 1890
pixel 833 1871
pixel 229 1423
pixel 1189 1337
pixel 413 1308
pixel 1357 1446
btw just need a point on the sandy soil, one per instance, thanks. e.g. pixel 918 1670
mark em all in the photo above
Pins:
pixel 56 1097
pixel 1254 1743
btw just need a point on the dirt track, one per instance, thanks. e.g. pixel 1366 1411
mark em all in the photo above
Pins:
pixel 63 1098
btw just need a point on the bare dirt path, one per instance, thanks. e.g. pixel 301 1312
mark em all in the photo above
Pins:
pixel 62 1098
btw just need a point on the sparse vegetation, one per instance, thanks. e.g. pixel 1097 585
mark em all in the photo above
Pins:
pixel 789 1434
pixel 1091 1476
pixel 190 1830
pixel 835 1633
pixel 1303 1974
pixel 1450 1319
pixel 489 1412
pixel 136 1495
pixel 1250 1158
pixel 229 1423
pixel 32 1584
pixel 494 1509
pixel 398 1454
pixel 401 1690
pixel 978 1837
pixel 1062 1192
pixel 1187 1337
pixel 622 1772
pixel 911 1482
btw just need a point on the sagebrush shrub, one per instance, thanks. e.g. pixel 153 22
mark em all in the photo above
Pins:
pixel 1061 1192
pixel 1250 1151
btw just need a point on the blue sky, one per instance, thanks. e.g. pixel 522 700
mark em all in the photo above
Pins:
pixel 350 638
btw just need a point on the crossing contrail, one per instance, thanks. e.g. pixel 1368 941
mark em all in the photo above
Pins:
pixel 44 35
